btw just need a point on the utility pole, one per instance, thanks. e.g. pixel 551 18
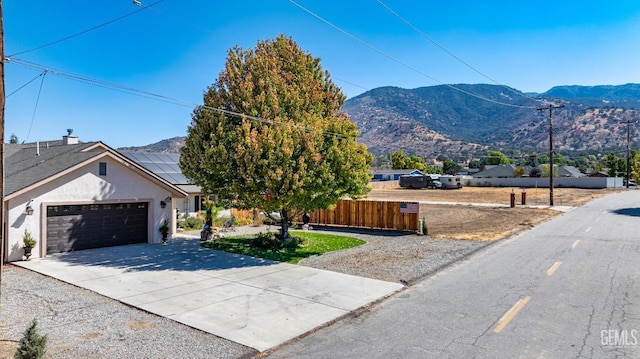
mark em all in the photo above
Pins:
pixel 628 152
pixel 550 108
pixel 2 231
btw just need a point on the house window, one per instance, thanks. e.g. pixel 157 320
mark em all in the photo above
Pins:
pixel 196 203
pixel 102 169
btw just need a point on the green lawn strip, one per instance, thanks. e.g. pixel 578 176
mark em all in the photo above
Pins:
pixel 312 243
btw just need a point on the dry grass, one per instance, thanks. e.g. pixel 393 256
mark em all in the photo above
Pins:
pixel 535 196
pixel 463 221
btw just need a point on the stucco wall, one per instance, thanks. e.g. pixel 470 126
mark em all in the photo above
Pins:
pixel 542 182
pixel 85 186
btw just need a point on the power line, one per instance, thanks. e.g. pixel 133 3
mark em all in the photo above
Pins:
pixel 402 63
pixel 30 81
pixel 163 98
pixel 452 54
pixel 36 106
pixel 86 31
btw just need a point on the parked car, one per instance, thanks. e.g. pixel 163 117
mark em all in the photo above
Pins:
pixel 436 185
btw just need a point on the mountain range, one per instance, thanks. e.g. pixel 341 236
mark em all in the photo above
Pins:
pixel 466 120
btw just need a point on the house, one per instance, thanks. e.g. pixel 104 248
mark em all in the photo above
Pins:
pixel 393 175
pixel 71 195
pixel 569 171
pixel 499 171
pixel 167 166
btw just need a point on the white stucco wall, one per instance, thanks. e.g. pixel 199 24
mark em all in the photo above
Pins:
pixel 85 186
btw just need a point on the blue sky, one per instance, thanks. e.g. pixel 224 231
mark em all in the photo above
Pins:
pixel 177 48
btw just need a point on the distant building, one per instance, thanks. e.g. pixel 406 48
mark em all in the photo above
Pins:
pixel 393 175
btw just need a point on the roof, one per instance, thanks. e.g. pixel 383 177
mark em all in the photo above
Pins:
pixel 497 171
pixel 569 171
pixel 28 165
pixel 393 172
pixel 165 165
pixel 31 163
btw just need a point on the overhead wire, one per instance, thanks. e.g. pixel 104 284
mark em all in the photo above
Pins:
pixel 403 63
pixel 155 96
pixel 421 33
pixel 87 30
pixel 25 85
pixel 33 116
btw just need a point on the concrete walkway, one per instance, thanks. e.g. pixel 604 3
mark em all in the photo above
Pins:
pixel 251 301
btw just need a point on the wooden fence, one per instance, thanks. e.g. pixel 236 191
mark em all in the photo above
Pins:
pixel 384 184
pixel 390 215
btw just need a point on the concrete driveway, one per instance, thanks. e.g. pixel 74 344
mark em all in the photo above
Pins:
pixel 251 301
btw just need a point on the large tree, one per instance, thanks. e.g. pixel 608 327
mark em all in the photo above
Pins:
pixel 497 158
pixel 292 151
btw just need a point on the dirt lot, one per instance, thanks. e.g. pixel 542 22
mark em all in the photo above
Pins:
pixel 463 221
pixel 535 196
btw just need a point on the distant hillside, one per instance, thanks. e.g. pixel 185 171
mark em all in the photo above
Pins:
pixel 439 120
pixel 171 145
pixel 627 96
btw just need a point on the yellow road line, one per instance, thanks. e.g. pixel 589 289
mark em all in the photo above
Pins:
pixel 597 219
pixel 587 230
pixel 575 244
pixel 511 313
pixel 553 268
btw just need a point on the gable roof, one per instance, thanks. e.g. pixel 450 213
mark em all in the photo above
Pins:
pixel 569 171
pixel 496 171
pixel 29 165
pixel 386 171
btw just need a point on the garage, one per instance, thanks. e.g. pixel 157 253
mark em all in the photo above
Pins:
pixel 85 226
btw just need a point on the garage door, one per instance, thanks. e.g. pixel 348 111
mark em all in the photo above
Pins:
pixel 74 227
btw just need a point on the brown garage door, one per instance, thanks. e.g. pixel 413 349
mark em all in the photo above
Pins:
pixel 74 227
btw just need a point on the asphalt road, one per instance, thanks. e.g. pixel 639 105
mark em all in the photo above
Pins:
pixel 566 289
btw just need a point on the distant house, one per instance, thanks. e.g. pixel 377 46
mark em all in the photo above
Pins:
pixel 393 175
pixel 569 171
pixel 71 195
pixel 507 171
pixel 500 171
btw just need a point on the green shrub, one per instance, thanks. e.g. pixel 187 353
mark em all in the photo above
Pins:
pixel 191 223
pixel 425 229
pixel 270 240
pixel 32 344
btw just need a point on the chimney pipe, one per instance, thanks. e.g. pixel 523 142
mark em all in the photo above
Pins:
pixel 69 139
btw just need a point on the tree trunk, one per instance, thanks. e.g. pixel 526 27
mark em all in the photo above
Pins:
pixel 284 224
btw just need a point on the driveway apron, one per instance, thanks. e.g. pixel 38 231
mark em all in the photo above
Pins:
pixel 251 301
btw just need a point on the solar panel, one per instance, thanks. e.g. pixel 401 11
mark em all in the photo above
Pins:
pixel 165 165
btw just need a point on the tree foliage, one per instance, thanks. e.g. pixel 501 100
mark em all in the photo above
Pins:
pixel 450 167
pixel 497 158
pixel 294 151
pixel 398 160
pixel 33 345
